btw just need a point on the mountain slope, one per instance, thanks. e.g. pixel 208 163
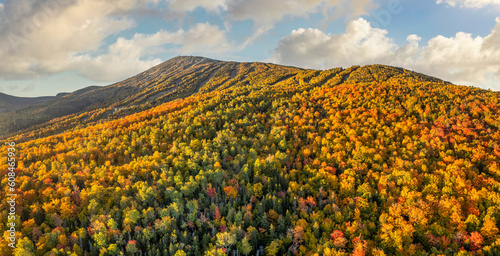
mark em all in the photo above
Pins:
pixel 265 160
pixel 177 78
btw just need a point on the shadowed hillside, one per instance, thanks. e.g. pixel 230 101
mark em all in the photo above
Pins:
pixel 11 103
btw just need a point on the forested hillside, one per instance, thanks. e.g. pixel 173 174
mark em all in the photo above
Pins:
pixel 176 78
pixel 260 159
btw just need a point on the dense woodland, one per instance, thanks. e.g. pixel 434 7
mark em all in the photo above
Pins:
pixel 364 161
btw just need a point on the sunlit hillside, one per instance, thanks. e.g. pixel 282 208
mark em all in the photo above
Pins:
pixel 204 157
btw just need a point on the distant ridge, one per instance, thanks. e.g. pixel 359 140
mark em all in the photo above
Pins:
pixel 10 103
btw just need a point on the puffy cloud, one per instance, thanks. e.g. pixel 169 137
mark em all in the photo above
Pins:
pixel 470 3
pixel 54 36
pixel 461 59
pixel 202 37
pixel 46 37
pixel 126 56
pixel 360 44
pixel 205 38
pixel 265 14
pixel 38 37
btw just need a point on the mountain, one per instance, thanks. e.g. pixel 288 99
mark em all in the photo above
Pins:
pixel 10 103
pixel 205 157
pixel 176 78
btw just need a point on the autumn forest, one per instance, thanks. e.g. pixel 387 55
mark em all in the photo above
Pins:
pixel 226 158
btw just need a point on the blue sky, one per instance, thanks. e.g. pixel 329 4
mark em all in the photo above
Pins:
pixel 52 46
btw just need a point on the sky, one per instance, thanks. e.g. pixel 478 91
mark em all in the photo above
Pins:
pixel 52 46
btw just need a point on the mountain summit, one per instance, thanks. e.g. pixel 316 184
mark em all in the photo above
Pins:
pixel 178 78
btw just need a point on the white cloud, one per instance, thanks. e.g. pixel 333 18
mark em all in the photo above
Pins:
pixel 205 38
pixel 469 3
pixel 54 36
pixel 187 6
pixel 202 37
pixel 38 38
pixel 266 13
pixel 125 57
pixel 460 59
pixel 360 44
pixel 45 37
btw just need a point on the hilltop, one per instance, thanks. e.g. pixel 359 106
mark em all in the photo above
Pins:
pixel 176 78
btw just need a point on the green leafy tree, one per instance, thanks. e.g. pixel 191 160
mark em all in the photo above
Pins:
pixel 245 246
pixel 24 248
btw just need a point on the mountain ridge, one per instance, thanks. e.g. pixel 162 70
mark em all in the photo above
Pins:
pixel 176 78
pixel 10 103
